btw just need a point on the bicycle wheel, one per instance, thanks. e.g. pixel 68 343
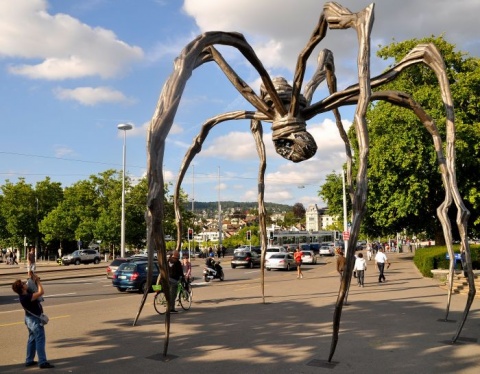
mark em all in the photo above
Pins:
pixel 160 303
pixel 185 299
pixel 189 289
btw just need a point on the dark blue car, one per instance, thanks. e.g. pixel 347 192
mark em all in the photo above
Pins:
pixel 132 276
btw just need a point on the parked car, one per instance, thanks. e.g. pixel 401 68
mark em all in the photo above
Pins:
pixel 282 261
pixel 254 248
pixel 308 257
pixel 245 258
pixel 132 276
pixel 82 256
pixel 257 249
pixel 277 249
pixel 114 266
pixel 326 250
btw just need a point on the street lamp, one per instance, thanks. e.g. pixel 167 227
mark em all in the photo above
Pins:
pixel 124 127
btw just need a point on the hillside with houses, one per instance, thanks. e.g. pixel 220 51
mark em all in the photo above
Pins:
pixel 236 216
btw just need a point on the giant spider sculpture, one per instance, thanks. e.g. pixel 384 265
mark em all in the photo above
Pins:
pixel 288 110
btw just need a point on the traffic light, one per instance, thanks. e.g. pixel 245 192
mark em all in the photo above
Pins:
pixel 190 234
pixel 249 235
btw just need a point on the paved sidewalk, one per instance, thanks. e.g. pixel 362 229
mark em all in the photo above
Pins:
pixel 390 327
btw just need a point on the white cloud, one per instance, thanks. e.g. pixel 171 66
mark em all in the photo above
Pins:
pixel 91 96
pixel 282 31
pixel 62 151
pixel 233 146
pixel 65 47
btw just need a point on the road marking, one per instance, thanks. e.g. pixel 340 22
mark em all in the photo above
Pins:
pixel 61 294
pixel 23 322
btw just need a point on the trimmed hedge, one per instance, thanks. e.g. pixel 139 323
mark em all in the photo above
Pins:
pixel 428 258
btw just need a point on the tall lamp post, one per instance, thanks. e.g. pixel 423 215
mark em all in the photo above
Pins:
pixel 124 127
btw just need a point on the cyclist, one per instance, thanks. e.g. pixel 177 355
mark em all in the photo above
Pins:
pixel 187 272
pixel 175 275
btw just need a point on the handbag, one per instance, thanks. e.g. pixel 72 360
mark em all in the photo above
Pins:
pixel 42 317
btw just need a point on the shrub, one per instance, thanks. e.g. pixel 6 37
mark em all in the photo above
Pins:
pixel 428 258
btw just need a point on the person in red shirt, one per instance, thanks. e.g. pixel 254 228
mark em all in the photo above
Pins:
pixel 298 261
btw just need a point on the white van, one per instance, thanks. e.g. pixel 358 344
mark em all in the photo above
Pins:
pixel 274 249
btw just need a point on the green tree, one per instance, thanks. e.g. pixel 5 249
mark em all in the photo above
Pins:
pixel 19 212
pixel 405 186
pixel 299 210
pixel 332 193
pixel 74 217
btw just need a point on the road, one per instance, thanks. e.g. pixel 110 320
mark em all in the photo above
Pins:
pixel 386 327
pixel 74 285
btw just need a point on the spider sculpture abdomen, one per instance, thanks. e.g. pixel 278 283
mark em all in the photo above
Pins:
pixel 290 138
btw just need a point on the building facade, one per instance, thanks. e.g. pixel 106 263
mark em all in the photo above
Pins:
pixel 318 219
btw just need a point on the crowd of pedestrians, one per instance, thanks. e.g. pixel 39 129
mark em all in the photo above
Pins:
pixel 10 257
pixel 374 252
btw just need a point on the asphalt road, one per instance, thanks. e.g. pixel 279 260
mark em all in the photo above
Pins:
pixel 85 283
pixel 389 327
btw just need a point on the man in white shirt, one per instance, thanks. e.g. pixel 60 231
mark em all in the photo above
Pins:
pixel 380 260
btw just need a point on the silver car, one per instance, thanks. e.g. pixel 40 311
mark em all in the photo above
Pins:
pixel 326 250
pixel 283 261
pixel 308 257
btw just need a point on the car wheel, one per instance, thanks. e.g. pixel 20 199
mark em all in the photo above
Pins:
pixel 288 267
pixel 96 261
pixel 77 262
pixel 142 287
pixel 206 278
pixel 120 289
pixel 251 265
pixel 268 269
pixel 233 266
pixel 222 276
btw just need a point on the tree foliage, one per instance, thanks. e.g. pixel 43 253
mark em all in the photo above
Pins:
pixel 404 182
pixel 89 210
pixel 298 210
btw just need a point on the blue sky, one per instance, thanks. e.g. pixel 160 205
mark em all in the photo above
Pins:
pixel 71 71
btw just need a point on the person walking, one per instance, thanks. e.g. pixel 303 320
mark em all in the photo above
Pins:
pixel 360 268
pixel 380 260
pixel 298 261
pixel 341 261
pixel 31 263
pixel 36 332
pixel 369 252
pixel 175 274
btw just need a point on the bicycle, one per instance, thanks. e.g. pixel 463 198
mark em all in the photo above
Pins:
pixel 184 297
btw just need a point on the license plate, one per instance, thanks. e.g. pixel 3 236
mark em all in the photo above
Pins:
pixel 122 277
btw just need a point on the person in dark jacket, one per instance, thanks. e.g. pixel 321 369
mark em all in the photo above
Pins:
pixel 175 275
pixel 36 332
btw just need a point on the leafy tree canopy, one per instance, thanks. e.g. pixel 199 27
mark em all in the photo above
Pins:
pixel 405 186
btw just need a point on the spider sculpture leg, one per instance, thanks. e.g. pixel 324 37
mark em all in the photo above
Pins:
pixel 195 148
pixel 428 55
pixel 193 55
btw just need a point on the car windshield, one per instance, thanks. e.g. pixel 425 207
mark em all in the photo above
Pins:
pixel 273 250
pixel 126 266
pixel 243 254
pixel 278 256
pixel 306 253
pixel 117 262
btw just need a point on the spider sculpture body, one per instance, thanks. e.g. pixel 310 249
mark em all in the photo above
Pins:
pixel 288 111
